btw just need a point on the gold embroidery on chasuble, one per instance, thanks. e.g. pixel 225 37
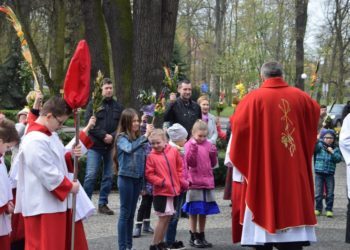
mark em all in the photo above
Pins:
pixel 288 127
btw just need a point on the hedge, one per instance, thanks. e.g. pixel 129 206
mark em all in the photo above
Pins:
pixel 12 115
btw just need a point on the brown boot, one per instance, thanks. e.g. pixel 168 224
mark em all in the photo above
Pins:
pixel 103 209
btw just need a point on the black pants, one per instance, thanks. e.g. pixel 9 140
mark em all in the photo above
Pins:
pixel 347 234
pixel 144 211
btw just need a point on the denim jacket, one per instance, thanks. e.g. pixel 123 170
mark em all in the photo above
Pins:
pixel 131 156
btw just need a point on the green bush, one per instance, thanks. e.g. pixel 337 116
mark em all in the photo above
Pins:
pixel 11 114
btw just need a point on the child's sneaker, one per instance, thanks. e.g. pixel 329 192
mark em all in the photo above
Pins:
pixel 329 214
pixel 177 245
pixel 317 212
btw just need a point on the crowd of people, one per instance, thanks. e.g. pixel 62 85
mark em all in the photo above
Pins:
pixel 274 166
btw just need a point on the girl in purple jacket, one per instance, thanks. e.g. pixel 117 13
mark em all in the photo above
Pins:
pixel 201 157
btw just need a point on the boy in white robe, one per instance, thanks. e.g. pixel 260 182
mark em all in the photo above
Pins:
pixel 43 185
pixel 8 139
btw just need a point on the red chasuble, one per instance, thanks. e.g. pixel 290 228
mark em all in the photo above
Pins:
pixel 274 132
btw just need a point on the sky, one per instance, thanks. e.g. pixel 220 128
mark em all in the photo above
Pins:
pixel 316 17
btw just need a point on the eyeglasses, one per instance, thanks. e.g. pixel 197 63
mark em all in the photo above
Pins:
pixel 328 137
pixel 60 123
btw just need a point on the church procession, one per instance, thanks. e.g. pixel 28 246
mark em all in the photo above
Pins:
pixel 133 144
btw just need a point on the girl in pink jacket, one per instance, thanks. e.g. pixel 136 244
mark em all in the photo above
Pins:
pixel 201 157
pixel 164 172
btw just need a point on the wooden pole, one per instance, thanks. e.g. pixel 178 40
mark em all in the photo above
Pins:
pixel 74 200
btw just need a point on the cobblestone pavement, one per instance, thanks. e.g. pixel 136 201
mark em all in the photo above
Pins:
pixel 101 229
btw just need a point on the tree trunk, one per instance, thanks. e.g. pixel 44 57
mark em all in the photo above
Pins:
pixel 96 37
pixel 117 14
pixel 300 27
pixel 220 12
pixel 154 32
pixel 57 51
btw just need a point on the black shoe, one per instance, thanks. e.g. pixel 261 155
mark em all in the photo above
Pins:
pixel 177 245
pixel 153 247
pixel 147 227
pixel 204 241
pixel 103 209
pixel 162 246
pixel 195 240
pixel 137 230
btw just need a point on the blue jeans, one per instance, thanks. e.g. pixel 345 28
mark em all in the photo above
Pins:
pixel 129 191
pixel 321 181
pixel 170 235
pixel 93 161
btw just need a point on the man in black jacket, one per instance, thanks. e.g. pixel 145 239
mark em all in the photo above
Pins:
pixel 107 119
pixel 183 110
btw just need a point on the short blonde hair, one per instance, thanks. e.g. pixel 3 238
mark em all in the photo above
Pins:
pixel 157 132
pixel 199 125
pixel 202 98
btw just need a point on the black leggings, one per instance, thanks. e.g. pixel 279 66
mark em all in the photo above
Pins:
pixel 144 211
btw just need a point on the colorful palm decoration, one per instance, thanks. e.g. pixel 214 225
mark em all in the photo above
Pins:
pixel 24 45
pixel 171 79
pixel 97 97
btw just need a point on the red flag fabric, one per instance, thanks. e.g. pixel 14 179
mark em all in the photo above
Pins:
pixel 77 82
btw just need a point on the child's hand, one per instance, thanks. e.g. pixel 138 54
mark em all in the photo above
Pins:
pixel 38 100
pixel 212 148
pixel 149 129
pixel 77 150
pixel 75 187
pixel 10 207
pixel 330 150
pixel 91 123
pixel 2 117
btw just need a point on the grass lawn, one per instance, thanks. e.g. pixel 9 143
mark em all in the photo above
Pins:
pixel 227 112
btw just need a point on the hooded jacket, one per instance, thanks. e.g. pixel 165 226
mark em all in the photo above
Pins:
pixel 164 171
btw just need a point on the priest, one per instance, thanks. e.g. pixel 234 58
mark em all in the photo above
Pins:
pixel 274 131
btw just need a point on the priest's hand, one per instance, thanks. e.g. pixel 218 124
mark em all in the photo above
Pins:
pixel 75 187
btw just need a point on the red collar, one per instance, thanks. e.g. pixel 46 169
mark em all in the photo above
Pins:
pixel 274 82
pixel 38 127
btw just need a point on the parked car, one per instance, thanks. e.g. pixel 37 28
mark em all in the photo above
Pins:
pixel 336 114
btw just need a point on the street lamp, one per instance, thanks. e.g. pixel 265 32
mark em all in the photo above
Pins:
pixel 303 76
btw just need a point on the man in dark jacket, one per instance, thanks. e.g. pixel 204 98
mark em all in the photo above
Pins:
pixel 107 119
pixel 183 110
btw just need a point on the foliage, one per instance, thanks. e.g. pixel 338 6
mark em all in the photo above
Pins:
pixel 171 78
pixel 10 114
pixel 147 97
pixel 97 97
pixel 11 86
pixel 219 107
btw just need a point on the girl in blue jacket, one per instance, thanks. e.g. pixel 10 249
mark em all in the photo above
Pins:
pixel 129 159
